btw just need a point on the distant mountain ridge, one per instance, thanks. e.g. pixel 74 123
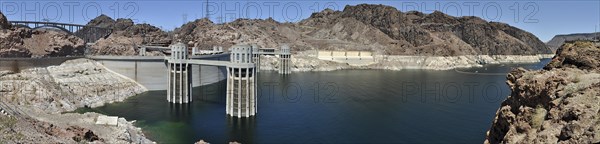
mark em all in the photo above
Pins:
pixel 559 40
pixel 380 28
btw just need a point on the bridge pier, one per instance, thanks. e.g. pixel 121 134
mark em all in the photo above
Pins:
pixel 180 84
pixel 142 51
pixel 284 60
pixel 241 83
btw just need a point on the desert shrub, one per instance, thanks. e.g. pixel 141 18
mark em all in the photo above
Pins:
pixel 7 122
pixel 538 117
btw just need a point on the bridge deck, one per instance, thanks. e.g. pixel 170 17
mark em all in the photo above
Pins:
pixel 87 33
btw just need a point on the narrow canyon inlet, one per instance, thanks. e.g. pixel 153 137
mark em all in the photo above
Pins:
pixel 350 106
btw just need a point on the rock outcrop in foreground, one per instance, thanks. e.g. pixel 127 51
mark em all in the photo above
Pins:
pixel 73 84
pixel 560 104
pixel 18 41
pixel 378 28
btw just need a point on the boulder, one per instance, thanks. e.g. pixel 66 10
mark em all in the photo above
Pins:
pixel 122 24
pixel 107 120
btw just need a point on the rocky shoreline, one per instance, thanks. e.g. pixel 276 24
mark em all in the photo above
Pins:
pixel 305 63
pixel 559 104
pixel 35 98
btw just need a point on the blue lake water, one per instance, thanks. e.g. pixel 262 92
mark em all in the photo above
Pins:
pixel 347 106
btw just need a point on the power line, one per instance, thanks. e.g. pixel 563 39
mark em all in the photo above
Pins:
pixel 207 14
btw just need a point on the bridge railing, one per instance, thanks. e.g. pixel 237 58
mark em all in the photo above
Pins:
pixel 89 34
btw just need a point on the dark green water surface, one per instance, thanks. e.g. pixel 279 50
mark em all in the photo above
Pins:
pixel 347 106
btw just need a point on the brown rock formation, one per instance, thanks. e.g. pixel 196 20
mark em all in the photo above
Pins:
pixel 23 42
pixel 11 43
pixel 53 43
pixel 76 133
pixel 102 21
pixel 380 28
pixel 580 55
pixel 267 33
pixel 126 36
pixel 556 105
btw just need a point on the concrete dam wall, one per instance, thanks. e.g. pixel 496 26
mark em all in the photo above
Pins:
pixel 151 72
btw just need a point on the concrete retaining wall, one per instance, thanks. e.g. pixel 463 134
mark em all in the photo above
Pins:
pixel 355 58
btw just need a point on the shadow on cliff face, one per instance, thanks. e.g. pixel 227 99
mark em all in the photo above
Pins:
pixel 66 50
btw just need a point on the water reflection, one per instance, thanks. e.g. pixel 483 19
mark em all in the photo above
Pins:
pixel 241 129
pixel 180 111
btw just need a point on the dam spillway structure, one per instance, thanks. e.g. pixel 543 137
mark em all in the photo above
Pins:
pixel 241 82
pixel 179 79
pixel 284 60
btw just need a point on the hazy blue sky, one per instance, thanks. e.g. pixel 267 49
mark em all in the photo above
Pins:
pixel 542 18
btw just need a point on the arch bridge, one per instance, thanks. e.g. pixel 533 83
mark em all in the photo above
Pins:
pixel 89 34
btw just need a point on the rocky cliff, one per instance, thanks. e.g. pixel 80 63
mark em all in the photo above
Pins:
pixel 559 104
pixel 36 99
pixel 24 42
pixel 558 40
pixel 383 29
pixel 126 36
pixel 266 33
pixel 71 85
